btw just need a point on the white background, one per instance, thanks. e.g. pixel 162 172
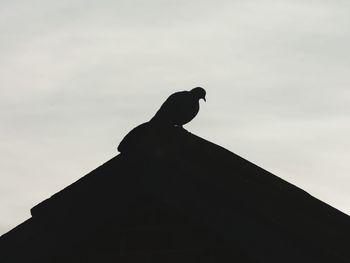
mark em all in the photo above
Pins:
pixel 77 75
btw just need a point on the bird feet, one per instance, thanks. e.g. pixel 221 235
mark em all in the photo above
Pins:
pixel 180 127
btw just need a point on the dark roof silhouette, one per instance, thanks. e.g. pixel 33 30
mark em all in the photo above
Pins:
pixel 180 107
pixel 175 197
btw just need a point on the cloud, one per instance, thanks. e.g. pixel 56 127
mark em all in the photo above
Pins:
pixel 77 75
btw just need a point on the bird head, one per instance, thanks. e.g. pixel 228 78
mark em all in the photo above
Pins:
pixel 199 93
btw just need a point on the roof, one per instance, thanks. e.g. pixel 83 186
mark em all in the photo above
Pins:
pixel 175 197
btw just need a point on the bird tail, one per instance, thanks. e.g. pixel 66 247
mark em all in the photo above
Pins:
pixel 156 121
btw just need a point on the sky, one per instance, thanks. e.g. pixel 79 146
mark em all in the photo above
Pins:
pixel 76 76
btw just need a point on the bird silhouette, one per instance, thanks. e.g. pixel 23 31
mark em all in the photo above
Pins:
pixel 179 108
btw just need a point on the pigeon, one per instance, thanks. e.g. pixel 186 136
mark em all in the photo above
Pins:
pixel 179 108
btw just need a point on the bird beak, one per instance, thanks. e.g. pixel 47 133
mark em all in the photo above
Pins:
pixel 204 99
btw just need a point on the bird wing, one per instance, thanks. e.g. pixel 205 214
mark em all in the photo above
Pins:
pixel 170 108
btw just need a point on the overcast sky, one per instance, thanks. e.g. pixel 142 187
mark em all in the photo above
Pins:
pixel 77 75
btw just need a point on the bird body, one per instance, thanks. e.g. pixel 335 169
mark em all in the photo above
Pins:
pixel 179 108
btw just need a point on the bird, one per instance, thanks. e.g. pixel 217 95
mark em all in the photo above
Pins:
pixel 179 108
